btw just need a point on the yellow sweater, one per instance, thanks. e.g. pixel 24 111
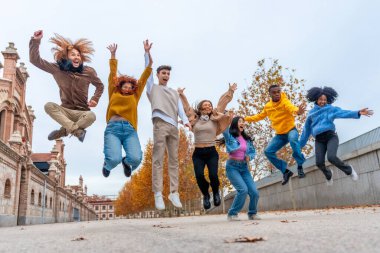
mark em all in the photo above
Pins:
pixel 124 105
pixel 280 113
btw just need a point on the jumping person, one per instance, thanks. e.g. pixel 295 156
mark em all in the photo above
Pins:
pixel 240 150
pixel 281 112
pixel 124 94
pixel 320 124
pixel 206 123
pixel 73 79
pixel 166 107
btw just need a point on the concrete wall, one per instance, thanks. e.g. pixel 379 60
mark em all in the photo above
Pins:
pixel 362 152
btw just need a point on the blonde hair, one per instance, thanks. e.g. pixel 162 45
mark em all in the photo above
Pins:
pixel 64 45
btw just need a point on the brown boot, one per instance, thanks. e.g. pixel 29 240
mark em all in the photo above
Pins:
pixel 56 134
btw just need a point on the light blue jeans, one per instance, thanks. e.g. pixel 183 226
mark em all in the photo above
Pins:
pixel 277 143
pixel 241 179
pixel 120 134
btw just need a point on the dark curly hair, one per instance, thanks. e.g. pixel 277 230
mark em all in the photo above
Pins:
pixel 316 92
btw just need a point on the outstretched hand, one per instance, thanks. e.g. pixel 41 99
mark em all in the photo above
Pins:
pixel 233 86
pixel 147 46
pixel 112 48
pixel 92 103
pixel 301 109
pixel 366 112
pixel 180 91
pixel 38 35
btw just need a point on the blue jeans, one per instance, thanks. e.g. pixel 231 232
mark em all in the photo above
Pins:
pixel 277 143
pixel 241 179
pixel 120 134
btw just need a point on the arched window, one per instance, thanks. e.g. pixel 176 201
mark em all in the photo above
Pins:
pixel 32 197
pixel 51 202
pixel 46 201
pixel 60 205
pixel 7 189
pixel 39 199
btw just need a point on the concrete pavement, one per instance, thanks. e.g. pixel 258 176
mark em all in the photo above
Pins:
pixel 333 230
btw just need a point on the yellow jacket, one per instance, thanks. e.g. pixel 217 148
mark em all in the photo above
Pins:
pixel 281 114
pixel 124 105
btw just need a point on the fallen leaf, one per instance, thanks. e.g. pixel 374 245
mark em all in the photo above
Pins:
pixel 253 223
pixel 79 239
pixel 245 239
pixel 162 226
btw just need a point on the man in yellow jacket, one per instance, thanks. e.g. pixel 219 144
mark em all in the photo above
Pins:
pixel 281 112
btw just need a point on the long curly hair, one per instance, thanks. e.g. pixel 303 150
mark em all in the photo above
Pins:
pixel 64 45
pixel 119 81
pixel 316 92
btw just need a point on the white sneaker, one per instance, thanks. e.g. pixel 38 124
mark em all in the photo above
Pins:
pixel 354 175
pixel 174 198
pixel 331 181
pixel 159 201
pixel 232 218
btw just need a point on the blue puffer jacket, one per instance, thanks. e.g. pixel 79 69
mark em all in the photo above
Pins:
pixel 232 144
pixel 321 119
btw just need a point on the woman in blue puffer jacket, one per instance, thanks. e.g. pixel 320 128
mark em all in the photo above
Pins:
pixel 320 124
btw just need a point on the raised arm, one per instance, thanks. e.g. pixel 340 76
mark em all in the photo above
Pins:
pixel 347 114
pixel 226 98
pixel 189 111
pixel 148 63
pixel 148 69
pixel 34 54
pixel 113 69
pixel 262 115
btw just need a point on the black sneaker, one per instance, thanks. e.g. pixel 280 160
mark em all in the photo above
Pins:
pixel 56 134
pixel 216 197
pixel 301 174
pixel 287 175
pixel 127 168
pixel 105 172
pixel 206 201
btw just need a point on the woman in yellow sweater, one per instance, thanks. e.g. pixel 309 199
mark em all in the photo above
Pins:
pixel 124 93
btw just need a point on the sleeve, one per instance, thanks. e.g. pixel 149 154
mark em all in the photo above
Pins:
pixel 224 100
pixel 305 132
pixel 112 76
pixel 142 81
pixel 290 107
pixel 189 111
pixel 99 87
pixel 36 60
pixel 262 115
pixel 150 81
pixel 345 114
pixel 181 113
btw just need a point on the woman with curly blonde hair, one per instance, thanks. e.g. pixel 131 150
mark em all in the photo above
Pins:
pixel 124 93
pixel 73 79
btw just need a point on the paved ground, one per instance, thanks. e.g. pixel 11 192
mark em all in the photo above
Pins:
pixel 335 230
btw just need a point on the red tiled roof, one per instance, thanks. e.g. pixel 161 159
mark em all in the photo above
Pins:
pixel 41 157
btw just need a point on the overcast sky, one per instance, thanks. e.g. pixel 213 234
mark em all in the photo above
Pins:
pixel 208 44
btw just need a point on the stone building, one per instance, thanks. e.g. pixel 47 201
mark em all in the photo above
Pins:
pixel 32 186
pixel 104 207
